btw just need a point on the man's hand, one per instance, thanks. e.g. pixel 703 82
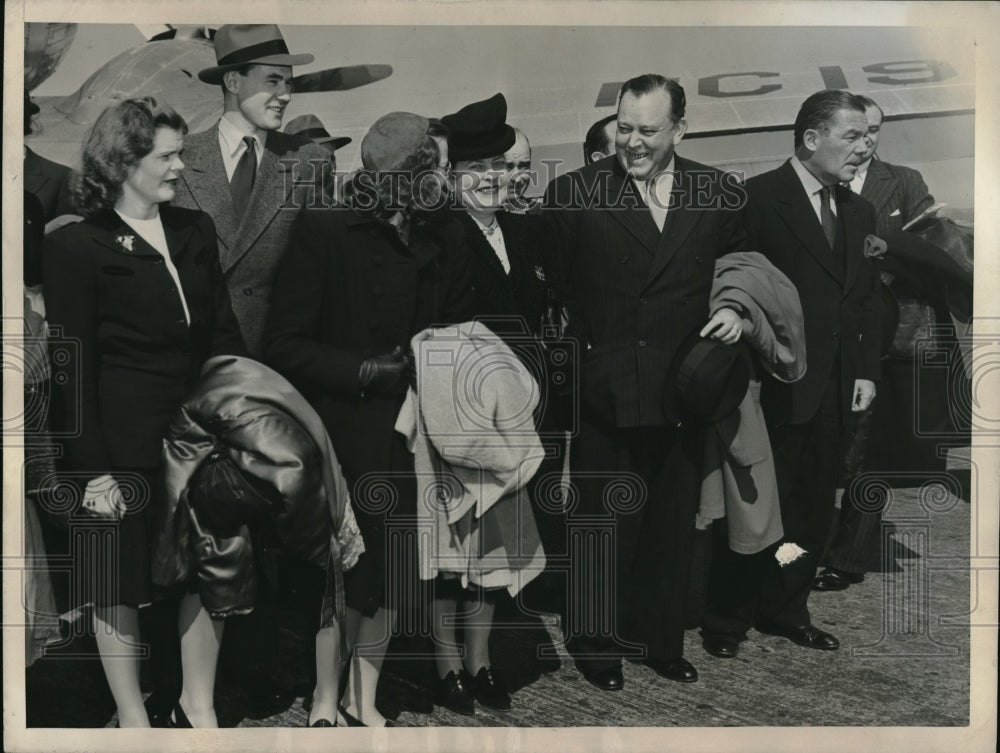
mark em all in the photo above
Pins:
pixel 103 498
pixel 388 374
pixel 864 393
pixel 725 326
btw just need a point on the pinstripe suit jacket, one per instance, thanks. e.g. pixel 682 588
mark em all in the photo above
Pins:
pixel 898 194
pixel 634 293
pixel 289 177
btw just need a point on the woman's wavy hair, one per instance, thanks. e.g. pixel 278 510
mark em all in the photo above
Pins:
pixel 414 186
pixel 123 134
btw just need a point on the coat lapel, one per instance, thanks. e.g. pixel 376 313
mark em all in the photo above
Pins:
pixel 878 187
pixel 114 233
pixel 177 233
pixel 205 178
pixel 854 241
pixel 624 203
pixel 797 211
pixel 34 176
pixel 681 219
pixel 270 193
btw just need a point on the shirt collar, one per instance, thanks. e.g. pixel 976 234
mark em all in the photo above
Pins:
pixel 809 181
pixel 233 135
pixel 662 178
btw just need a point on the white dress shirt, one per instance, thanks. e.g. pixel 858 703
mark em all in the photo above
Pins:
pixel 494 235
pixel 232 145
pixel 859 177
pixel 813 187
pixel 656 193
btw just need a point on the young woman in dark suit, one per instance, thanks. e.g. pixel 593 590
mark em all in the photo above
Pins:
pixel 358 282
pixel 137 286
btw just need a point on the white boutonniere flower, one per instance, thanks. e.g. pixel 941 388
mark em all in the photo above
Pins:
pixel 126 241
pixel 539 273
pixel 788 553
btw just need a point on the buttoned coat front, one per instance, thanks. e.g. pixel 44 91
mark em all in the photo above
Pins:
pixel 129 356
pixel 347 290
pixel 634 292
pixel 840 305
pixel 290 176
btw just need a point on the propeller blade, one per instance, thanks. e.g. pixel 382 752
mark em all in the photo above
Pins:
pixel 340 79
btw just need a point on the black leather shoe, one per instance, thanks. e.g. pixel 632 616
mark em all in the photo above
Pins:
pixel 678 670
pixel 454 694
pixel 323 723
pixel 809 636
pixel 605 679
pixel 178 719
pixel 832 579
pixel 489 691
pixel 721 646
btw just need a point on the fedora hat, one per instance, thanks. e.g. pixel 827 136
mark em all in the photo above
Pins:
pixel 707 379
pixel 237 45
pixel 479 130
pixel 310 127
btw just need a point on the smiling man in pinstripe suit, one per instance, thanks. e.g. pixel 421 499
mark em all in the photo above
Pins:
pixel 637 235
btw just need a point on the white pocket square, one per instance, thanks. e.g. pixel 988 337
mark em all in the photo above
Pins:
pixel 895 214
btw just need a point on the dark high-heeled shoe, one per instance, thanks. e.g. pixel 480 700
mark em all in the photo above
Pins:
pixel 352 721
pixel 178 719
pixel 323 723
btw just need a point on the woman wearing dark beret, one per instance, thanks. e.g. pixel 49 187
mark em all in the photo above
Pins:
pixel 358 282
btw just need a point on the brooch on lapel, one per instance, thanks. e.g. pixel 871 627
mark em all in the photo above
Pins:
pixel 540 273
pixel 126 241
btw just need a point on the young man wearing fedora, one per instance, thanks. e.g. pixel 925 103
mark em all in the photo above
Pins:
pixel 637 235
pixel 251 178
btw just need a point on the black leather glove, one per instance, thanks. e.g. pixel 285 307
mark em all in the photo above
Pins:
pixel 388 374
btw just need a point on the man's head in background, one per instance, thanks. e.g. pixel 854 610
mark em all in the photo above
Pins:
pixel 875 115
pixel 600 140
pixel 517 161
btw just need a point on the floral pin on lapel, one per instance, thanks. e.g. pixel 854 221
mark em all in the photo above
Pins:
pixel 126 242
pixel 540 273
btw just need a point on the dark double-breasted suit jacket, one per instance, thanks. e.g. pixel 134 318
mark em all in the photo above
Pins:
pixel 635 293
pixel 841 303
pixel 127 355
pixel 290 176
